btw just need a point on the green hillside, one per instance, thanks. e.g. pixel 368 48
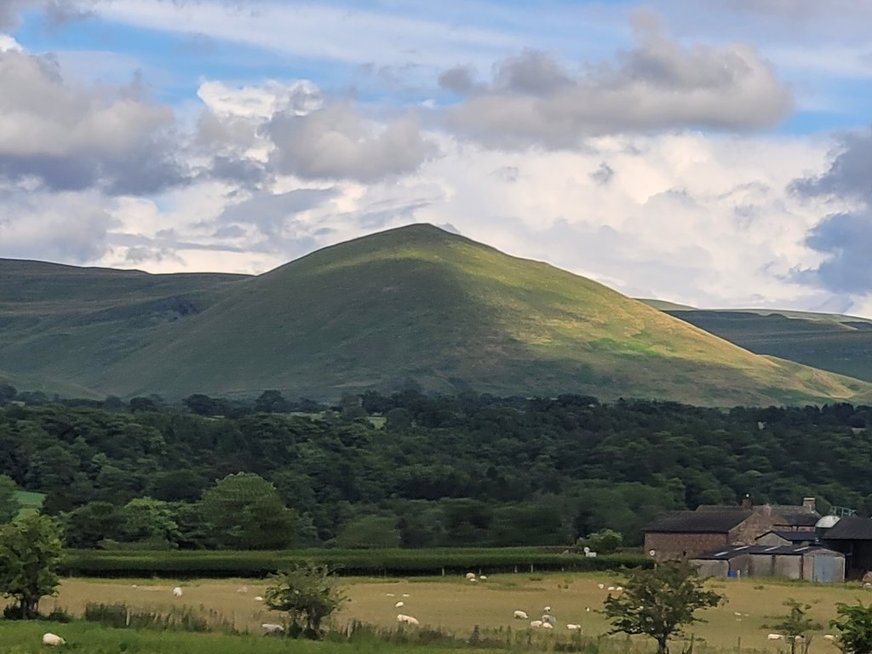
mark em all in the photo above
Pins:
pixel 419 305
pixel 60 323
pixel 834 342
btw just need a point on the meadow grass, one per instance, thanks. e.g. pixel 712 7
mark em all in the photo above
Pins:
pixel 455 606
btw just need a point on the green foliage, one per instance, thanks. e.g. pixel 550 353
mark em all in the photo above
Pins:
pixel 854 624
pixel 244 511
pixel 30 550
pixel 9 504
pixel 604 541
pixel 374 562
pixel 147 519
pixel 370 531
pixel 308 594
pixel 659 602
pixel 796 624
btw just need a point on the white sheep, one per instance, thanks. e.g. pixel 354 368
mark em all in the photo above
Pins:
pixel 242 589
pixel 52 640
pixel 774 636
pixel 547 609
pixel 470 575
pixel 407 619
pixel 520 615
pixel 573 627
pixel 535 624
pixel 270 629
pixel 482 577
pixel 547 625
pixel 399 604
pixel 619 589
pixel 177 591
pixel 600 586
pixel 829 637
pixel 406 595
pixel 548 618
pixel 258 598
pixel 612 588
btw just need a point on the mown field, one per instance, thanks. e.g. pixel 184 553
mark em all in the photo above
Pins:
pixel 455 605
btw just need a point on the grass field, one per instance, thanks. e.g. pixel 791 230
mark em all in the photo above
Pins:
pixel 455 605
pixel 30 502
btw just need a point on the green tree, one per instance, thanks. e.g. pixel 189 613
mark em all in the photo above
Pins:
pixel 150 520
pixel 30 550
pixel 659 602
pixel 9 504
pixel 87 525
pixel 370 531
pixel 245 511
pixel 854 625
pixel 308 594
pixel 604 541
pixel 796 624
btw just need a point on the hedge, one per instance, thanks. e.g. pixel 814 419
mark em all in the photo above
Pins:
pixel 377 562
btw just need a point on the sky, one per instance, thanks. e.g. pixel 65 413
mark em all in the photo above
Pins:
pixel 715 153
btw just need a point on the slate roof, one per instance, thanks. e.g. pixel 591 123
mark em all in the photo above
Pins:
pixel 732 552
pixel 699 522
pixel 796 516
pixel 850 528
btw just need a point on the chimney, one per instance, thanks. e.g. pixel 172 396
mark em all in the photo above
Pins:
pixel 746 501
pixel 808 504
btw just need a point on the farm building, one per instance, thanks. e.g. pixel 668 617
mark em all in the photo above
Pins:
pixel 689 534
pixel 852 536
pixel 809 562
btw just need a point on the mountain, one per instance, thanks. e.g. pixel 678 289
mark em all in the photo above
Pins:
pixel 410 306
pixel 833 342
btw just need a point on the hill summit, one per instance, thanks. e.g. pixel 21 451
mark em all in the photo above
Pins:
pixel 413 306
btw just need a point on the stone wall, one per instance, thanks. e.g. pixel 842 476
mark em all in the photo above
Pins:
pixel 669 546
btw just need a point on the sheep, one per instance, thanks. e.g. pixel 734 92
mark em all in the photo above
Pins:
pixel 258 598
pixel 482 577
pixel 399 604
pixel 829 637
pixel 547 617
pixel 535 624
pixel 547 625
pixel 391 594
pixel 799 639
pixel 270 629
pixel 177 592
pixel 612 588
pixel 52 640
pixel 470 575
pixel 774 636
pixel 619 589
pixel 547 609
pixel 407 619
pixel 406 595
pixel 242 589
pixel 600 586
pixel 520 615
pixel 573 627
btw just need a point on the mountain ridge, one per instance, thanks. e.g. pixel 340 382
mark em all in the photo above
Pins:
pixel 416 306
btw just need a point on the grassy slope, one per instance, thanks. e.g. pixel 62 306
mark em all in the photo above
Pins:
pixel 58 322
pixel 419 303
pixel 841 344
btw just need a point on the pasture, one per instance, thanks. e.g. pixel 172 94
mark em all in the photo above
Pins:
pixel 456 605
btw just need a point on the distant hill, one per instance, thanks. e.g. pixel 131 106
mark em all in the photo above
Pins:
pixel 415 306
pixel 833 342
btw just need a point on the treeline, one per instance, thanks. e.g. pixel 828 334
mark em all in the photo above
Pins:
pixel 408 470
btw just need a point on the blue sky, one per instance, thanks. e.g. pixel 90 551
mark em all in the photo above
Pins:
pixel 712 153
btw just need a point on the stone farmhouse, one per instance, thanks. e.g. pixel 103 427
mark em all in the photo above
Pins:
pixel 691 534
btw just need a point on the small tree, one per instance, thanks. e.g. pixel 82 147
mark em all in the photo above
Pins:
pixel 9 505
pixel 604 541
pixel 308 594
pixel 796 624
pixel 854 625
pixel 658 602
pixel 30 550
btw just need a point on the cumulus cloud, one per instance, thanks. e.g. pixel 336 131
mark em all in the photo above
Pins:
pixel 659 84
pixel 844 236
pixel 73 137
pixel 336 142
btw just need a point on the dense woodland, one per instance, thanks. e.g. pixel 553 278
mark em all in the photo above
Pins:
pixel 411 470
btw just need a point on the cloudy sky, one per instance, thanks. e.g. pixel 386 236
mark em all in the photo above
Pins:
pixel 715 153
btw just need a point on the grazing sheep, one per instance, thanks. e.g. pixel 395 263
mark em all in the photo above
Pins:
pixel 829 637
pixel 535 624
pixel 258 598
pixel 177 592
pixel 470 575
pixel 399 604
pixel 390 594
pixel 482 577
pixel 774 636
pixel 600 586
pixel 242 589
pixel 619 589
pixel 520 615
pixel 612 588
pixel 547 609
pixel 52 640
pixel 407 619
pixel 573 627
pixel 406 595
pixel 547 625
pixel 270 629
pixel 799 639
